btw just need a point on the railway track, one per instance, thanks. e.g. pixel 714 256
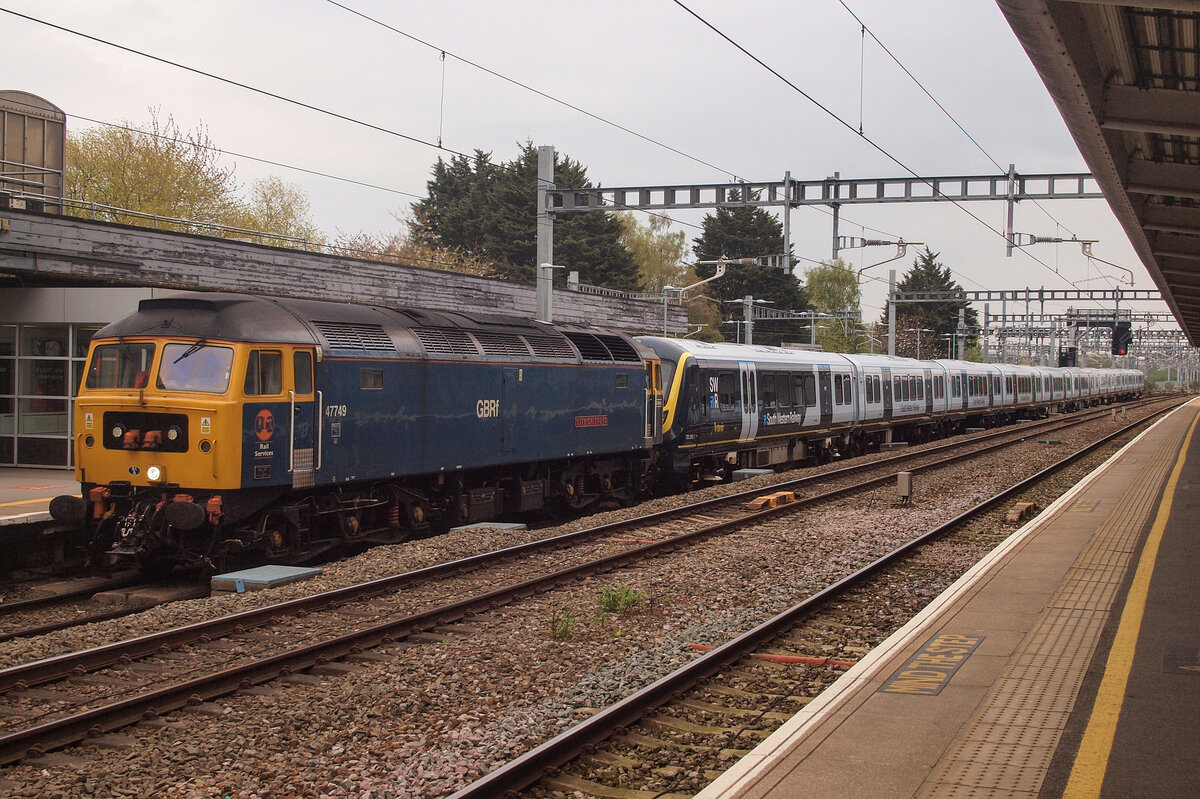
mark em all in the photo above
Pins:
pixel 202 661
pixel 671 738
pixel 44 615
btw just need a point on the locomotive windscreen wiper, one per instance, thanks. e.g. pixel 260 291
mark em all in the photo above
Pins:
pixel 192 350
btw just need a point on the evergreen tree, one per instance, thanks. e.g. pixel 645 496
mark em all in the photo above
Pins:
pixel 921 325
pixel 744 232
pixel 490 211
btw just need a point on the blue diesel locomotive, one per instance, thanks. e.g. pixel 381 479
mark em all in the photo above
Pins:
pixel 211 426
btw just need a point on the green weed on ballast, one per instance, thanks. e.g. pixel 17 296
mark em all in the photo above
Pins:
pixel 619 600
pixel 562 624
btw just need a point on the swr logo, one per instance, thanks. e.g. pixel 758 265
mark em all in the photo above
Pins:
pixel 264 425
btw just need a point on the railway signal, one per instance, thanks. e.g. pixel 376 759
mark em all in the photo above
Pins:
pixel 1121 338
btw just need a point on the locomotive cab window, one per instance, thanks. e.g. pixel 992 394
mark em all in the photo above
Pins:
pixel 120 366
pixel 264 373
pixel 195 367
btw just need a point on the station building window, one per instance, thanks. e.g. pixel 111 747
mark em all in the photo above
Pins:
pixel 41 366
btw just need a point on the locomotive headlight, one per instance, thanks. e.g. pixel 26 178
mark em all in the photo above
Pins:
pixel 118 431
pixel 173 433
pixel 154 473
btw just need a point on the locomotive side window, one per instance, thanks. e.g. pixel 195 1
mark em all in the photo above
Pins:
pixel 302 367
pixel 370 378
pixel 264 373
pixel 622 380
pixel 195 367
pixel 726 388
pixel 120 366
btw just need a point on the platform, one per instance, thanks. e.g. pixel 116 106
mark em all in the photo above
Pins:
pixel 25 494
pixel 1066 663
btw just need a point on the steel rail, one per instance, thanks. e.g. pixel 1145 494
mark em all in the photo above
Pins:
pixel 60 666
pixel 71 729
pixel 543 760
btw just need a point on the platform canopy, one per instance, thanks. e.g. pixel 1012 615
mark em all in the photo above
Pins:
pixel 1126 78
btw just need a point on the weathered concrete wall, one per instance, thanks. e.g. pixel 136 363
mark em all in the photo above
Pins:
pixel 43 249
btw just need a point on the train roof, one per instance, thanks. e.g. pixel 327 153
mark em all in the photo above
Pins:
pixel 381 331
pixel 675 348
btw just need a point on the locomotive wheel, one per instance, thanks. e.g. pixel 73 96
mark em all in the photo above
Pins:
pixel 279 536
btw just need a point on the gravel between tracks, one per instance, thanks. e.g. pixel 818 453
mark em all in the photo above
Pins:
pixel 437 714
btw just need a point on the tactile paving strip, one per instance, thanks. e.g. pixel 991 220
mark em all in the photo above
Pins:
pixel 1007 748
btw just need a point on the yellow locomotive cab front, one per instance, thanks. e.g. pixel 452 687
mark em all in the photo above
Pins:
pixel 150 413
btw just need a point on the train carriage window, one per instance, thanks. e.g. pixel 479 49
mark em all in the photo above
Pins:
pixel 848 393
pixel 810 390
pixel 302 369
pixel 768 392
pixel 878 389
pixel 838 391
pixel 264 373
pixel 797 391
pixel 370 378
pixel 726 387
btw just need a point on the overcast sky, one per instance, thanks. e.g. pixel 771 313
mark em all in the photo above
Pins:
pixel 645 65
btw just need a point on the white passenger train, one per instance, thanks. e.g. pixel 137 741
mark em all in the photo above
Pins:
pixel 732 406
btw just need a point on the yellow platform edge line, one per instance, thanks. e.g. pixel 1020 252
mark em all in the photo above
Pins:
pixel 25 502
pixel 1091 762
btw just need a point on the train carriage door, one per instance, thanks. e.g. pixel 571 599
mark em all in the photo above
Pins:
pixel 303 458
pixel 825 393
pixel 654 402
pixel 887 392
pixel 749 387
pixel 509 392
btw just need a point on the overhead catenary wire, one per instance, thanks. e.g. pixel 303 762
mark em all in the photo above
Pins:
pixel 538 92
pixel 865 30
pixel 871 142
pixel 417 140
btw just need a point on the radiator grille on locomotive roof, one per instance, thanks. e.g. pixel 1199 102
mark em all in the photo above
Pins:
pixel 506 345
pixel 590 347
pixel 550 347
pixel 619 347
pixel 445 341
pixel 347 336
